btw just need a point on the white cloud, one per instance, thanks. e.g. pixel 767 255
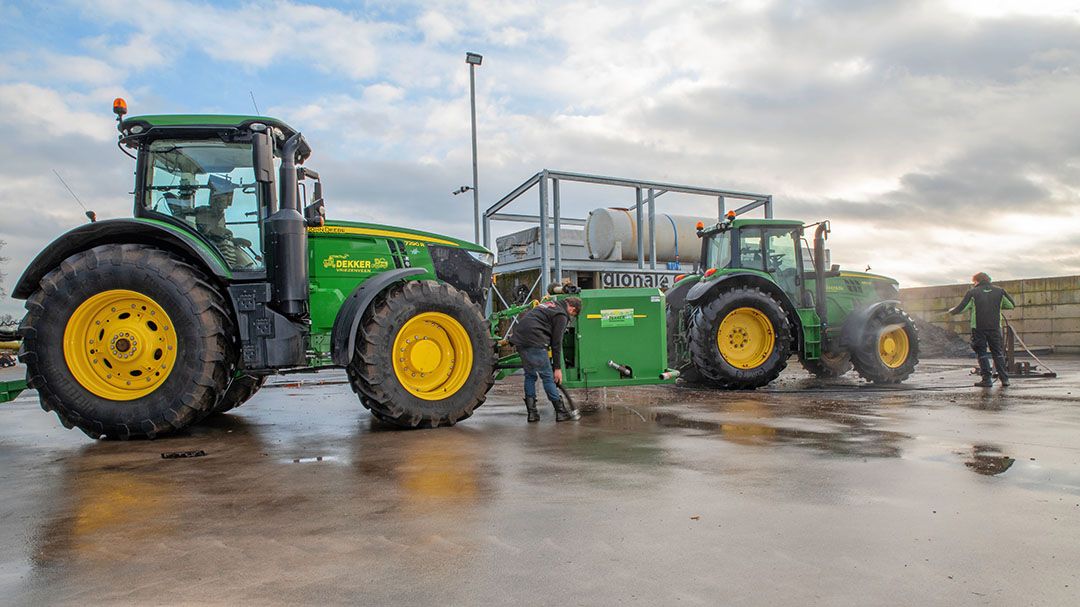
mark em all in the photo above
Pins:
pixel 40 112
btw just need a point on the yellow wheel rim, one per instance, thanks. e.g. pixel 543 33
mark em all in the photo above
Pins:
pixel 893 347
pixel 746 338
pixel 432 356
pixel 120 345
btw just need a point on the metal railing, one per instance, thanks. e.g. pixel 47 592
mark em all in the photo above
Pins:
pixel 646 193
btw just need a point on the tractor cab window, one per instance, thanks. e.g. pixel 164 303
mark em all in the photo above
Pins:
pixel 209 185
pixel 750 252
pixel 718 254
pixel 781 260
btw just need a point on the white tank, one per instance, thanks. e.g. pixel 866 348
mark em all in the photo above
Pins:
pixel 611 234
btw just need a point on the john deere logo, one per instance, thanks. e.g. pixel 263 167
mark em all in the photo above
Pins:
pixel 342 263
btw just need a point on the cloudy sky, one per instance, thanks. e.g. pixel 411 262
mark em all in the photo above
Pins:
pixel 940 137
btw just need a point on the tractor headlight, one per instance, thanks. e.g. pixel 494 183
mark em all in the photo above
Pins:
pixel 488 259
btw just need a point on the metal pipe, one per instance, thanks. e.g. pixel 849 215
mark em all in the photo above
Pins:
pixel 684 189
pixel 721 207
pixel 768 207
pixel 521 218
pixel 475 185
pixel 640 242
pixel 558 228
pixel 819 272
pixel 513 195
pixel 652 229
pixel 545 275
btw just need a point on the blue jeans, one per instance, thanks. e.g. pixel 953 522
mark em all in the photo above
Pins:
pixel 536 363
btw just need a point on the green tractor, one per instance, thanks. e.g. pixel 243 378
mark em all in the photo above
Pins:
pixel 765 294
pixel 229 272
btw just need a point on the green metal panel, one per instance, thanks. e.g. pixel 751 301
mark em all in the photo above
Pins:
pixel 9 390
pixel 626 326
pixel 811 332
pixel 341 256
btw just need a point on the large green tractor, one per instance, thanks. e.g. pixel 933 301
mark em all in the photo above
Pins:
pixel 229 272
pixel 765 294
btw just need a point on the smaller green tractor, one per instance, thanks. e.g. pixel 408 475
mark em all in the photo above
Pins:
pixel 765 294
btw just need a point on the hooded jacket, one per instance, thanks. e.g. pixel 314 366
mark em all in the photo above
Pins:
pixel 542 327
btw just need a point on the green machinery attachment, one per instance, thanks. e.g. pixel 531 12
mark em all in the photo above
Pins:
pixel 618 339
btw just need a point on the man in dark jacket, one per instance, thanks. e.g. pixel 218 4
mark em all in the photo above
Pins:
pixel 536 331
pixel 987 301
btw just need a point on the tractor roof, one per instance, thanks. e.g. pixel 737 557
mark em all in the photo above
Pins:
pixel 199 121
pixel 780 223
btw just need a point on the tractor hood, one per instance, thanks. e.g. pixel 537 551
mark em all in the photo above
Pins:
pixel 383 231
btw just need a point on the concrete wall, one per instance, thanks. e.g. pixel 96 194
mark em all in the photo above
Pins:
pixel 1047 313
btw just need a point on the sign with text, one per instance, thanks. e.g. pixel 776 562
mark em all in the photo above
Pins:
pixel 615 280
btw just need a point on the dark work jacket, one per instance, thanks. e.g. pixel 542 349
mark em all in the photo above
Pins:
pixel 988 301
pixel 542 327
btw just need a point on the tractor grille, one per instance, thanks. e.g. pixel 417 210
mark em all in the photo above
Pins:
pixel 456 267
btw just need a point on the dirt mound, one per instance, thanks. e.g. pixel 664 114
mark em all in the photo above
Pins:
pixel 936 342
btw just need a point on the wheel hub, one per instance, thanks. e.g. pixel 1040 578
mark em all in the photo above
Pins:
pixel 432 355
pixel 120 345
pixel 894 347
pixel 746 338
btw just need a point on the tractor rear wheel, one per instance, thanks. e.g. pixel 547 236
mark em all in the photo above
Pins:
pixel 127 341
pixel 240 390
pixel 888 348
pixel 830 364
pixel 423 356
pixel 741 339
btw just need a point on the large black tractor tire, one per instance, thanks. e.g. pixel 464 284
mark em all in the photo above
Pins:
pixel 756 336
pixel 831 364
pixel 413 384
pixel 101 357
pixel 887 349
pixel 240 390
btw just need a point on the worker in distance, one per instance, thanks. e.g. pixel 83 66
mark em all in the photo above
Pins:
pixel 986 301
pixel 536 331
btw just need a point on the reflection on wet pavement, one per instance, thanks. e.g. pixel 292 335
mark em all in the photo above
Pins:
pixel 845 492
pixel 988 460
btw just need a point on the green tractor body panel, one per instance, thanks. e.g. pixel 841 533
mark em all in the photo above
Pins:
pixel 344 255
pixel 853 291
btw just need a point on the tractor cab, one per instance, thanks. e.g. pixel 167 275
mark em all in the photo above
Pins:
pixel 220 178
pixel 766 246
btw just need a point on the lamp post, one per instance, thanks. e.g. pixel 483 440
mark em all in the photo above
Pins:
pixel 474 59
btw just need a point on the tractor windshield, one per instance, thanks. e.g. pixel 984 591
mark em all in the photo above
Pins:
pixel 718 254
pixel 209 185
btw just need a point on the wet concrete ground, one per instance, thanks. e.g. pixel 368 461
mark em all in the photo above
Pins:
pixel 808 492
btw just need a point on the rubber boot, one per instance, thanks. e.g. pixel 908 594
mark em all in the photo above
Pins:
pixel 984 370
pixel 999 365
pixel 530 406
pixel 562 414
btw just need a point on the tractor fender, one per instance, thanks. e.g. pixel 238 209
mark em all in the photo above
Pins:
pixel 347 322
pixel 851 333
pixel 118 231
pixel 676 295
pixel 705 288
pixel 701 292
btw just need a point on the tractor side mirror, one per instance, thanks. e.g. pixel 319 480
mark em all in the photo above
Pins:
pixel 315 213
pixel 264 157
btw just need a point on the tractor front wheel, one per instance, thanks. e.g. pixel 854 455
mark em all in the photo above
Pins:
pixel 887 350
pixel 741 339
pixel 830 364
pixel 127 341
pixel 423 356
